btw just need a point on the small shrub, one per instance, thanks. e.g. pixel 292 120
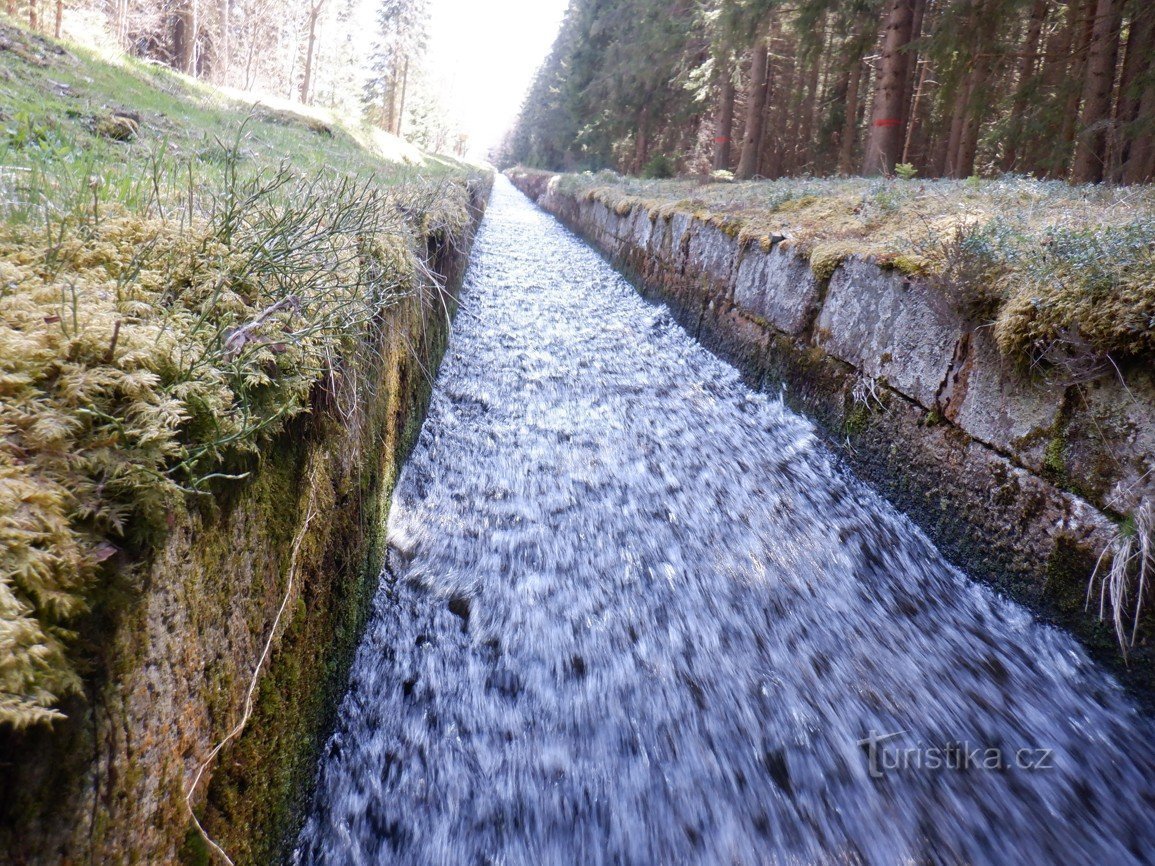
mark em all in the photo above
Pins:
pixel 659 167
pixel 905 171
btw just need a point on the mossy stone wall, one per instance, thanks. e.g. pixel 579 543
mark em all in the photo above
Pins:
pixel 173 657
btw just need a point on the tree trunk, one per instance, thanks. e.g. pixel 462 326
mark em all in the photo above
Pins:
pixel 401 106
pixel 964 158
pixel 1083 18
pixel 1102 56
pixel 642 143
pixel 1136 65
pixel 771 120
pixel 804 147
pixel 784 121
pixel 310 48
pixel 11 8
pixel 886 131
pixel 724 124
pixel 755 109
pixel 34 14
pixel 1027 67
pixel 59 23
pixel 1140 165
pixel 185 21
pixel 850 122
pixel 224 41
pixel 122 24
pixel 962 98
pixel 912 65
pixel 912 115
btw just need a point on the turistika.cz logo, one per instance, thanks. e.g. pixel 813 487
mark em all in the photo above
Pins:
pixel 885 753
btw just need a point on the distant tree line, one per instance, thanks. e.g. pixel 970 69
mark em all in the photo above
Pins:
pixel 311 51
pixel 1053 88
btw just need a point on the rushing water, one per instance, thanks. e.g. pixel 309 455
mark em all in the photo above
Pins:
pixel 637 614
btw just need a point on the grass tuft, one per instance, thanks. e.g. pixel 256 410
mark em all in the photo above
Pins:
pixel 1124 573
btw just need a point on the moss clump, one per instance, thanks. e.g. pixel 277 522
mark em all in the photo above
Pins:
pixel 1055 458
pixel 857 419
pixel 824 261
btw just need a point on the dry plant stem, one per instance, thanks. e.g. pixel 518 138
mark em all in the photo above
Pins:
pixel 310 513
pixel 1132 560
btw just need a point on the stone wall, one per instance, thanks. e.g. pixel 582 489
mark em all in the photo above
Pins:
pixel 172 670
pixel 1020 478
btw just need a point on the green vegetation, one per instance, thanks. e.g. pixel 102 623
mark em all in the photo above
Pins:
pixel 1063 273
pixel 179 276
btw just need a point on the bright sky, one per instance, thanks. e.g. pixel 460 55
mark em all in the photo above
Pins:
pixel 485 52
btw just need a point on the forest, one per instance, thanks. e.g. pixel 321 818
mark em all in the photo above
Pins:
pixel 773 88
pixel 316 52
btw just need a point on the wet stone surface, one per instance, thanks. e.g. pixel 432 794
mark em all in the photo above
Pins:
pixel 637 614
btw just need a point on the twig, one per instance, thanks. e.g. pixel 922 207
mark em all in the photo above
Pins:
pixel 248 709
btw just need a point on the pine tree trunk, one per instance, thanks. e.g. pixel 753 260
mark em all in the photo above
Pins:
pixel 310 47
pixel 755 108
pixel 724 124
pixel 912 65
pixel 122 24
pixel 1027 67
pixel 785 123
pixel 642 143
pixel 1100 81
pixel 1140 165
pixel 958 122
pixel 184 36
pixel 404 90
pixel 1083 20
pixel 964 158
pixel 850 122
pixel 391 106
pixel 59 23
pixel 195 8
pixel 224 41
pixel 805 150
pixel 886 131
pixel 912 115
pixel 34 14
pixel 771 119
pixel 1136 65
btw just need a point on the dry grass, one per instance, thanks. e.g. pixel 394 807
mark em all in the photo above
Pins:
pixel 1124 573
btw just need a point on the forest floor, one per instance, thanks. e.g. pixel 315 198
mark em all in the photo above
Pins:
pixel 1055 267
pixel 178 270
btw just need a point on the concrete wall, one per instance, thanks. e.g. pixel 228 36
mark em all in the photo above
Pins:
pixel 172 671
pixel 1018 478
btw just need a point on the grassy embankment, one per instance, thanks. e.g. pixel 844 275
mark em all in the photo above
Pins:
pixel 179 270
pixel 1065 274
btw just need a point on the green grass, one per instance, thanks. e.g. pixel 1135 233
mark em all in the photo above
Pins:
pixel 1066 274
pixel 167 303
pixel 53 97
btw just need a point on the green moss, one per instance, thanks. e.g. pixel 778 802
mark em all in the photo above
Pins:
pixel 194 851
pixel 825 261
pixel 1055 458
pixel 857 420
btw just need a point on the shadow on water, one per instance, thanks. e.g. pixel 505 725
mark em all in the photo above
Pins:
pixel 636 614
